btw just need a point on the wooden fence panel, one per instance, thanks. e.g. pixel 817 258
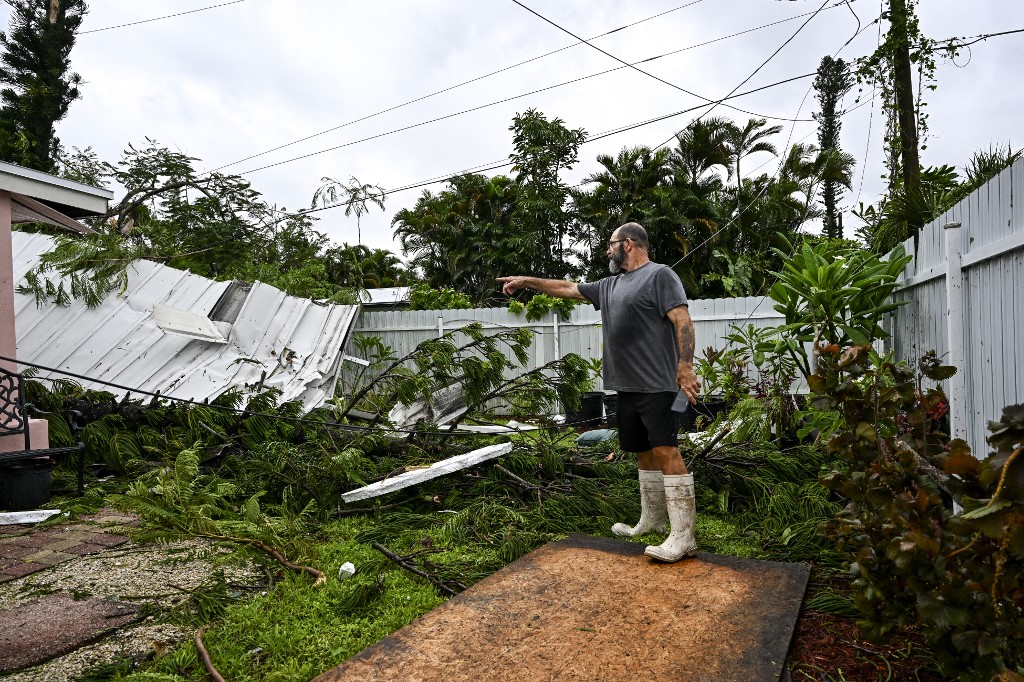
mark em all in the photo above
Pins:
pixel 992 246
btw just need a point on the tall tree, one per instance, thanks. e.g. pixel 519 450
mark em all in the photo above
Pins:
pixel 742 141
pixel 906 110
pixel 38 84
pixel 467 234
pixel 355 195
pixel 624 190
pixel 833 81
pixel 542 150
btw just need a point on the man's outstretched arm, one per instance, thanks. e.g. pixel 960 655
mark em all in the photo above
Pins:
pixel 552 287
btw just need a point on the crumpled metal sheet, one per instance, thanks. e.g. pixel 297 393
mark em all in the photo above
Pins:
pixel 291 343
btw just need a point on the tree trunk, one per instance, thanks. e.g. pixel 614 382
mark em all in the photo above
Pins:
pixel 903 83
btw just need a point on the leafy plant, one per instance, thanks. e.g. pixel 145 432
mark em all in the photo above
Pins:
pixel 724 373
pixel 959 578
pixel 540 305
pixel 422 297
pixel 833 293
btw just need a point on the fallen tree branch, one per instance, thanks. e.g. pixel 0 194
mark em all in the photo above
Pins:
pixel 523 482
pixel 276 555
pixel 204 655
pixel 433 579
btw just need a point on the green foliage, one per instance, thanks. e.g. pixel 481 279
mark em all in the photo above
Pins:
pixel 477 368
pixel 831 84
pixel 422 297
pixel 958 578
pixel 833 293
pixel 885 224
pixel 540 305
pixel 38 85
pixel 723 373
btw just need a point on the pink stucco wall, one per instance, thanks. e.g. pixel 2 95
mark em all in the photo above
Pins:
pixel 8 340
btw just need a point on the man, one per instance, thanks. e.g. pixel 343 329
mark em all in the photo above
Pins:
pixel 648 357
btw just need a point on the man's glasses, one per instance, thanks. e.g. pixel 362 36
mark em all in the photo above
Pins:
pixel 613 242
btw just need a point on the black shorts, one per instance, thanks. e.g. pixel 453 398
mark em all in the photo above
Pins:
pixel 646 421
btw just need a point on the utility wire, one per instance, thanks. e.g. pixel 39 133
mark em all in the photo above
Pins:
pixel 498 165
pixel 470 110
pixel 657 78
pixel 954 43
pixel 168 16
pixel 762 65
pixel 502 101
pixel 453 87
pixel 871 117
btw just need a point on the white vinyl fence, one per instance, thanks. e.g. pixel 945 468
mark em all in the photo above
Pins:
pixel 555 337
pixel 965 289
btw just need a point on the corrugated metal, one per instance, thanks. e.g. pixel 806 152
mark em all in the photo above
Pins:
pixel 384 296
pixel 992 246
pixel 295 342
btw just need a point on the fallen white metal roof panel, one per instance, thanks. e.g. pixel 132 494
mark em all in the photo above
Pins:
pixel 291 343
pixel 384 296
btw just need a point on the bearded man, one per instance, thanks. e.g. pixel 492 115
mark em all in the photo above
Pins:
pixel 648 360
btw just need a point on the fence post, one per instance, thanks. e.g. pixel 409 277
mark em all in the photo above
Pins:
pixel 955 327
pixel 558 341
pixel 440 326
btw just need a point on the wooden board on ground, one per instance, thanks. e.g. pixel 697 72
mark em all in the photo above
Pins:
pixel 414 476
pixel 589 608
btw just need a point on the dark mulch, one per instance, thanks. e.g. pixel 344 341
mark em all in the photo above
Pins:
pixel 829 648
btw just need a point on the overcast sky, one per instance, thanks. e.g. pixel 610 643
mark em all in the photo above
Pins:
pixel 238 80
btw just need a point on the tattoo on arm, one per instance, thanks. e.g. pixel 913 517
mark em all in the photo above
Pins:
pixel 686 342
pixel 684 333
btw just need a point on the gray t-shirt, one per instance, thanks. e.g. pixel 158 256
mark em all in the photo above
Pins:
pixel 641 353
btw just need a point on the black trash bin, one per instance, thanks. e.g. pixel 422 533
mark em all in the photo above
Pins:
pixel 589 414
pixel 704 410
pixel 25 484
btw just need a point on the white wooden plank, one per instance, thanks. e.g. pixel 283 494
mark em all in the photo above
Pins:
pixel 35 516
pixel 436 470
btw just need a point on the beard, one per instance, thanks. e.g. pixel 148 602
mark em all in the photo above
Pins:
pixel 616 260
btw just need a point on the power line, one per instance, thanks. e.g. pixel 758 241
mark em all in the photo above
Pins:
pixel 871 117
pixel 453 115
pixel 651 75
pixel 453 87
pixel 792 128
pixel 495 165
pixel 954 43
pixel 762 65
pixel 167 16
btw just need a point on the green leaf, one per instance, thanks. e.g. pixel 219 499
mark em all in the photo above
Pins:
pixel 991 508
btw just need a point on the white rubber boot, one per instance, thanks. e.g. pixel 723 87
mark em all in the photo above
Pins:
pixel 653 514
pixel 682 508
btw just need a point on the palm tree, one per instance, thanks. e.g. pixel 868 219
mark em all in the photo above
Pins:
pixel 700 147
pixel 354 195
pixel 625 190
pixel 750 139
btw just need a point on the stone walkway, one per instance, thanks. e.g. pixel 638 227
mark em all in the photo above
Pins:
pixel 24 551
pixel 72 595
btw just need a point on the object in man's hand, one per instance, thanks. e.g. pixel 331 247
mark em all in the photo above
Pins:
pixel 680 403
